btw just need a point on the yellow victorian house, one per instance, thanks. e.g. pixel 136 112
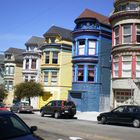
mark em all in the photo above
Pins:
pixel 13 60
pixel 56 66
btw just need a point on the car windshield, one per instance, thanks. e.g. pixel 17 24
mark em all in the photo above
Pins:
pixel 11 126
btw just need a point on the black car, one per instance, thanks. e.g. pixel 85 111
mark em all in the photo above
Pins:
pixel 58 108
pixel 14 128
pixel 126 114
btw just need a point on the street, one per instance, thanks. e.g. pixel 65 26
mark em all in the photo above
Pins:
pixel 74 129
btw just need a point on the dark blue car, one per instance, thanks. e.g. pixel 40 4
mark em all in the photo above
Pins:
pixel 14 128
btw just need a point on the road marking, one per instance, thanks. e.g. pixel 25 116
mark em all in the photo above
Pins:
pixel 104 138
pixel 75 138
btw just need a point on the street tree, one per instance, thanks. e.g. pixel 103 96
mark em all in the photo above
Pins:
pixel 3 93
pixel 28 90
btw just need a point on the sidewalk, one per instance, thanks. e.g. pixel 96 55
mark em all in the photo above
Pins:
pixel 90 116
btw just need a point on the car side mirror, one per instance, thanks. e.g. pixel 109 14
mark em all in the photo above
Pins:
pixel 33 128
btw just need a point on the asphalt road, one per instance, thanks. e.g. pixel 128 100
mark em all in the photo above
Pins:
pixel 74 129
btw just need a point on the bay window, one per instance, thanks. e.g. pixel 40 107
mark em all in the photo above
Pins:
pixel 33 66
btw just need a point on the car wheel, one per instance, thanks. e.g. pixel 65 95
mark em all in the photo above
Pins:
pixel 42 113
pixel 103 120
pixel 136 123
pixel 56 115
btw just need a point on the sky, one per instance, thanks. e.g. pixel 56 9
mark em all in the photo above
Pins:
pixel 22 19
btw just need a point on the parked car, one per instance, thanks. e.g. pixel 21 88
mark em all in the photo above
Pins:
pixel 14 128
pixel 126 114
pixel 21 107
pixel 3 107
pixel 58 108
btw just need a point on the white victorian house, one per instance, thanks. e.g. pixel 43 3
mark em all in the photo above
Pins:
pixel 31 64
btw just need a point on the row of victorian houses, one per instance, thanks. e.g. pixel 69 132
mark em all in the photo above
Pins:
pixel 96 65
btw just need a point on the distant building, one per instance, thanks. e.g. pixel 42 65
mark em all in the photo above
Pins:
pixel 13 60
pixel 1 68
pixel 91 51
pixel 56 66
pixel 125 21
pixel 31 63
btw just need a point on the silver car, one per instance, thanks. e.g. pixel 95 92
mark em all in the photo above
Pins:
pixel 21 107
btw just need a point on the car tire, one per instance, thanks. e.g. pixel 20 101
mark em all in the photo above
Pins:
pixel 103 120
pixel 136 123
pixel 42 113
pixel 56 115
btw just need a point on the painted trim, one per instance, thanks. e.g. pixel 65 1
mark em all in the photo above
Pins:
pixel 120 67
pixel 133 66
pixel 120 34
pixel 113 37
pixel 113 67
pixel 134 40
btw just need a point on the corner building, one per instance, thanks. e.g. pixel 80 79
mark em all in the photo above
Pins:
pixel 125 21
pixel 91 52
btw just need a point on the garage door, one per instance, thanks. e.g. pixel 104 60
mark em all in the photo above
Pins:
pixel 123 98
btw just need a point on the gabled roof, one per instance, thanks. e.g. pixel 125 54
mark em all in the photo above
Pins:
pixel 17 53
pixel 55 30
pixel 91 14
pixel 35 41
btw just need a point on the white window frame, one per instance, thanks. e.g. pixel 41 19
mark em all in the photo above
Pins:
pixel 138 32
pixel 81 48
pixel 54 78
pixel 116 66
pixel 137 66
pixel 127 66
pixel 92 47
pixel 127 34
pixel 116 36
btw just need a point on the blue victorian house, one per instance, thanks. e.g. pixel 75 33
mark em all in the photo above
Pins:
pixel 91 53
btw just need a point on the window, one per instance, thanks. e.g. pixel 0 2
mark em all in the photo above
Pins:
pixel 47 57
pixel 126 33
pixel 9 70
pixel 8 56
pixel 138 67
pixel 27 63
pixel 74 48
pixel 46 78
pixel 33 66
pixel 80 73
pixel 116 68
pixel 26 78
pixel 32 78
pixel 138 33
pixel 55 58
pixel 92 47
pixel 126 66
pixel 8 85
pixel 54 78
pixel 116 37
pixel 91 73
pixel 81 47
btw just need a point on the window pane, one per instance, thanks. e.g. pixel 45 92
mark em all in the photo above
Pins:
pixel 92 46
pixel 54 78
pixel 33 66
pixel 46 78
pixel 81 47
pixel 55 57
pixel 91 73
pixel 27 63
pixel 80 73
pixel 47 57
